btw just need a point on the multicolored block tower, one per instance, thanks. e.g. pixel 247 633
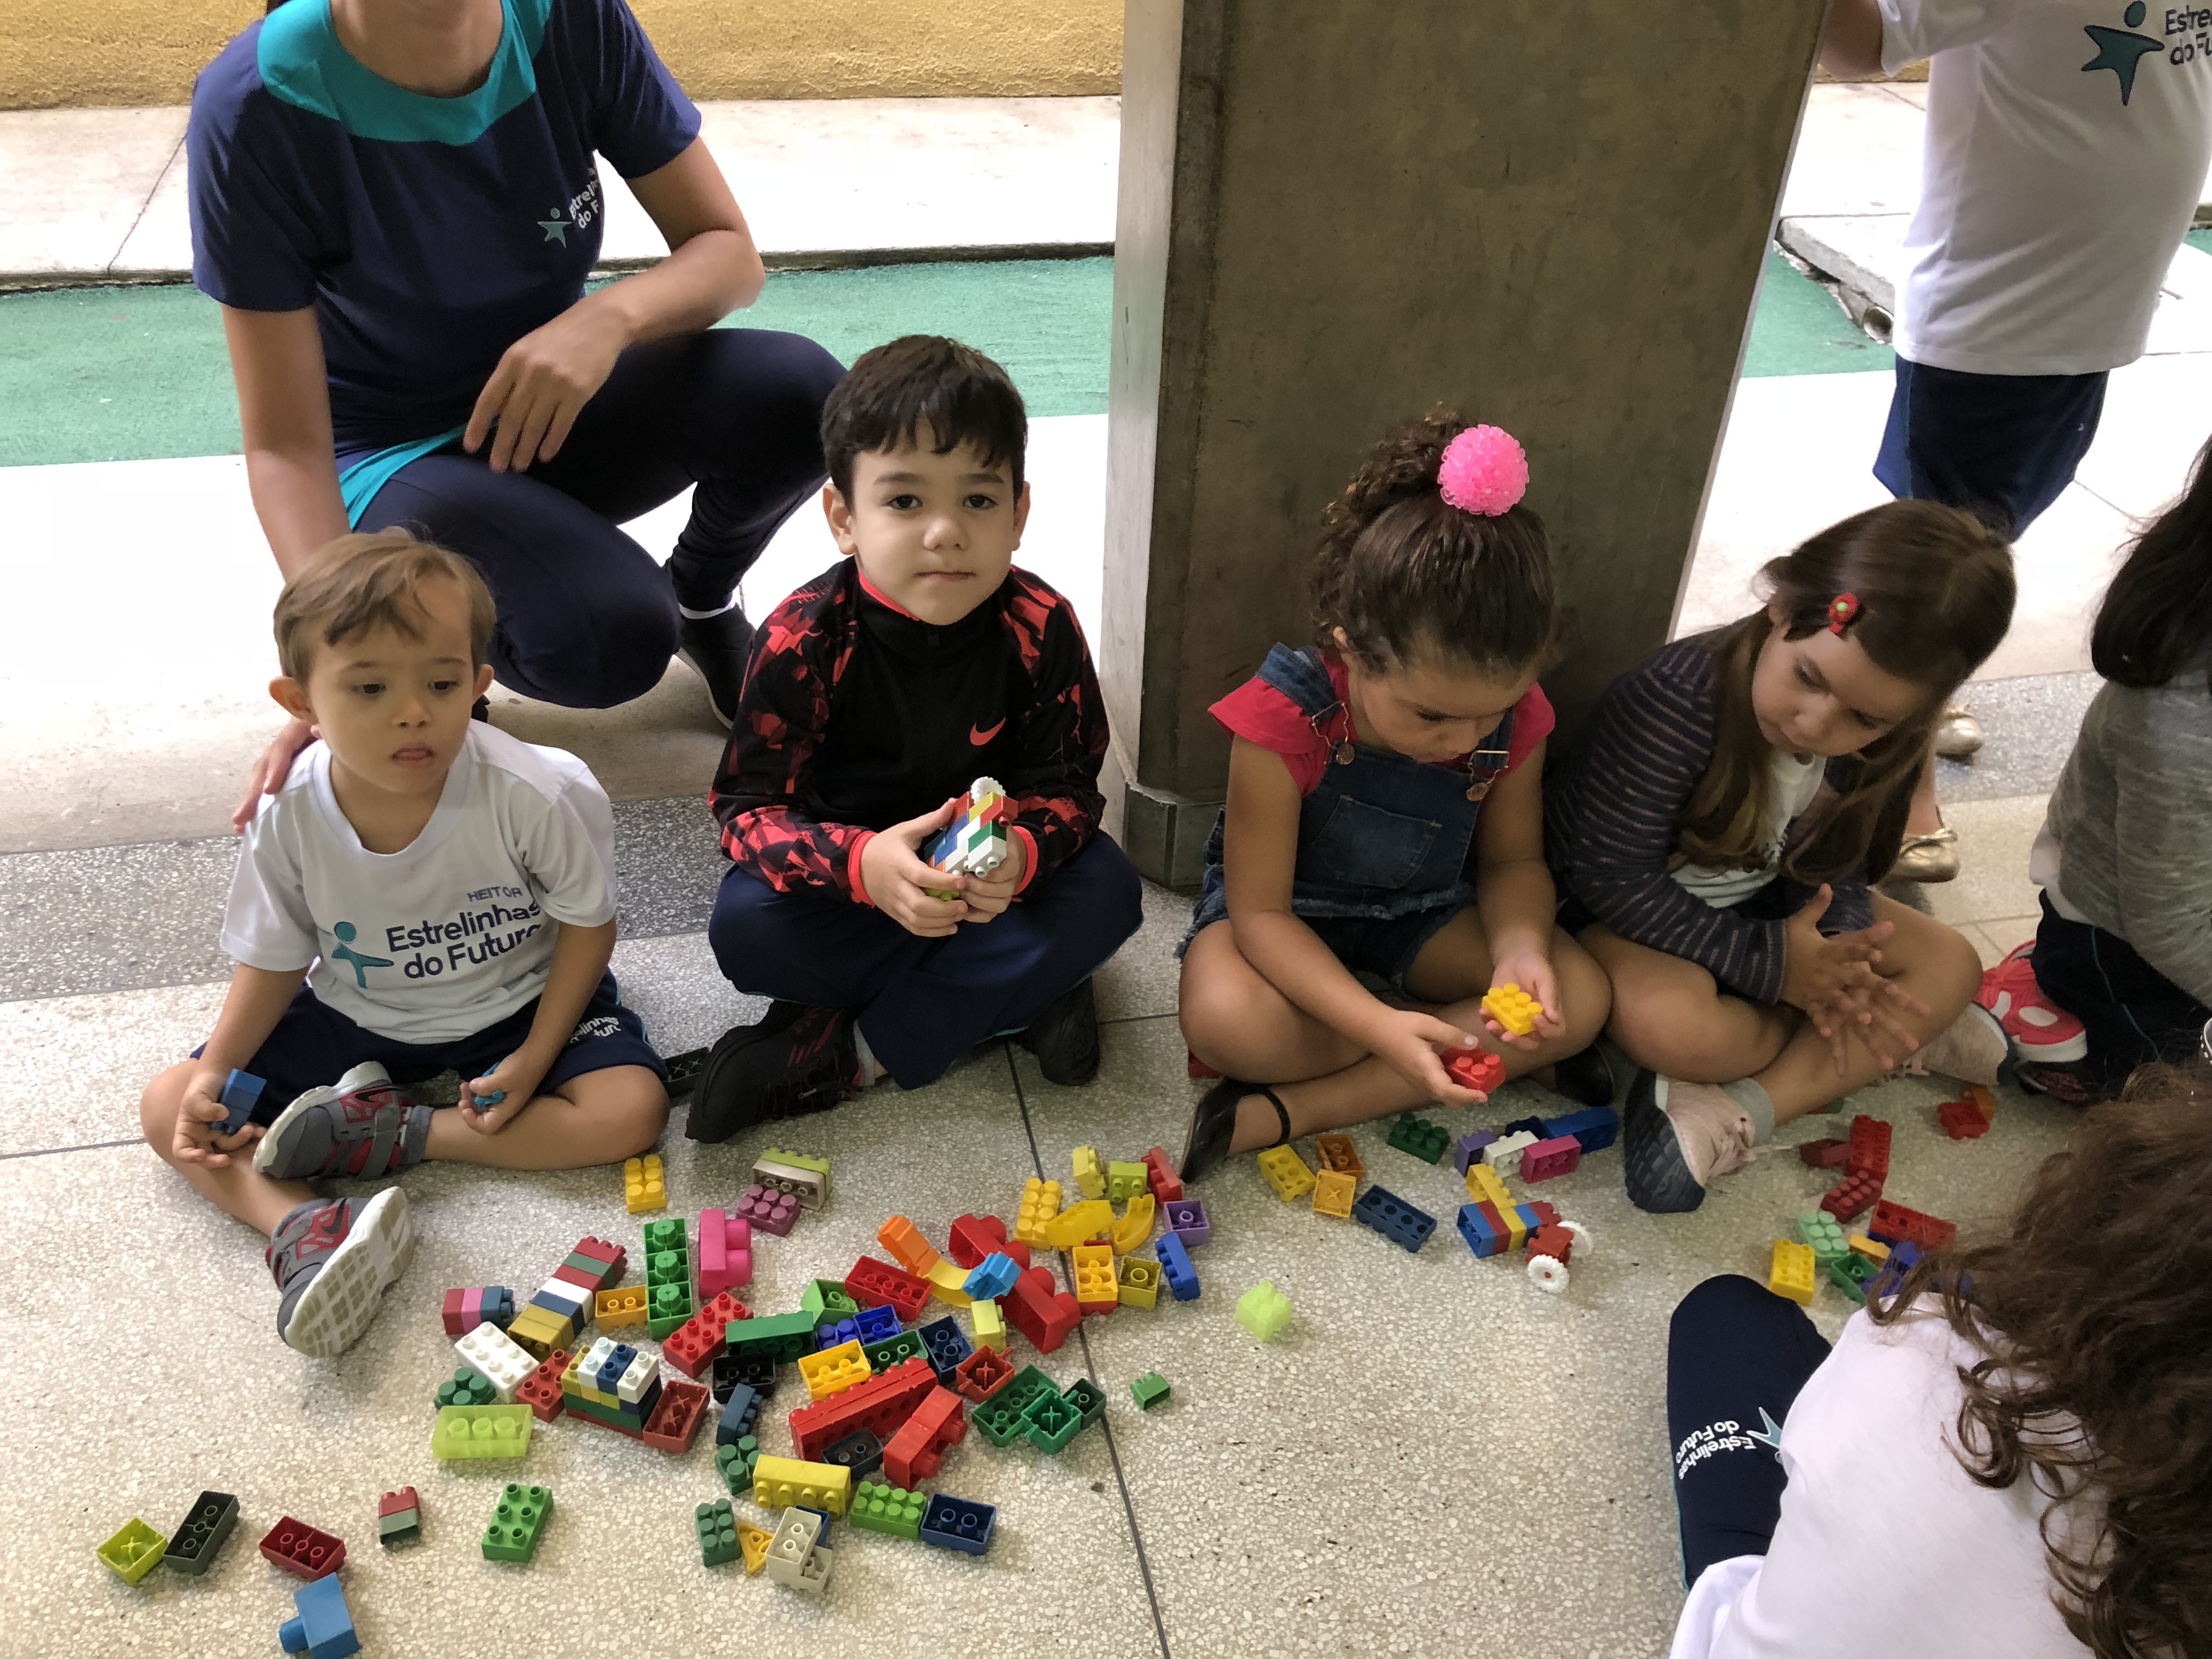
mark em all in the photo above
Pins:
pixel 974 843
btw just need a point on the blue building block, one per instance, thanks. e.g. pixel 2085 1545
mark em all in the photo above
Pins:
pixel 499 1305
pixel 610 1374
pixel 1468 1148
pixel 1535 1126
pixel 1884 1284
pixel 1176 1268
pixel 241 1093
pixel 876 1325
pixel 1597 1128
pixel 836 1335
pixel 948 1345
pixel 820 1538
pixel 993 1277
pixel 959 1523
pixel 1392 1217
pixel 742 1410
pixel 860 1451
pixel 323 1628
pixel 1481 1237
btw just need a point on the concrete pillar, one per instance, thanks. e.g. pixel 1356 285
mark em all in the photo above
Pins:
pixel 1334 215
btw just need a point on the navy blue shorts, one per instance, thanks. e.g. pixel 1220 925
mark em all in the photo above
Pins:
pixel 314 1044
pixel 2003 445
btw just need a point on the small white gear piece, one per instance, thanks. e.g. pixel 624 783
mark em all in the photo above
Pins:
pixel 1548 1273
pixel 1581 1235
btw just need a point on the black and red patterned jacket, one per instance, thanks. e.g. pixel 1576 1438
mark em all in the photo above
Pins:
pixel 857 715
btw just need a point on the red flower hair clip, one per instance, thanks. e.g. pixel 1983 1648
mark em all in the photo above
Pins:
pixel 1842 611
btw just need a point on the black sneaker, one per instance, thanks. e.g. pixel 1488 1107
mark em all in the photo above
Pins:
pixel 798 1059
pixel 717 646
pixel 1064 1037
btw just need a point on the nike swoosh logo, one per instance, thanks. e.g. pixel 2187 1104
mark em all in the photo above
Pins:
pixel 979 737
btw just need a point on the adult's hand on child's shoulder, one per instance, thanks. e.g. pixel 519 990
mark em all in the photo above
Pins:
pixel 271 769
pixel 197 1138
pixel 898 882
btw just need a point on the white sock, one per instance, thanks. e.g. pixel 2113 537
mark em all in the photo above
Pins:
pixel 729 604
pixel 870 1071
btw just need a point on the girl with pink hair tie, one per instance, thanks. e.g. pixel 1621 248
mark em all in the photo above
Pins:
pixel 1379 865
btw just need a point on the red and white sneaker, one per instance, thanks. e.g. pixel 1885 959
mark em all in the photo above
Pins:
pixel 333 1260
pixel 2039 1028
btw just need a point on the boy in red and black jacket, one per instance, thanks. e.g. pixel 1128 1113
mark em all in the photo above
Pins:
pixel 876 694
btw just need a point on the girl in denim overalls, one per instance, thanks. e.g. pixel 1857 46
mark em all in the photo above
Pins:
pixel 1379 865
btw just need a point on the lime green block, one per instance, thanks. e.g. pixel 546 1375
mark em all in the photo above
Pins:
pixel 892 1511
pixel 133 1552
pixel 482 1431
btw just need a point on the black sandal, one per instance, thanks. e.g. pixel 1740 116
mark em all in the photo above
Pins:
pixel 1214 1126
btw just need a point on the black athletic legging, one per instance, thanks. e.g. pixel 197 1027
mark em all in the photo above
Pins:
pixel 1736 1356
pixel 586 618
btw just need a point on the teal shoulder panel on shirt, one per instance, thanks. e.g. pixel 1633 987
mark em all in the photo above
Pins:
pixel 303 62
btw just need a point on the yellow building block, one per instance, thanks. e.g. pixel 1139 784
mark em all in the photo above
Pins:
pixel 620 1308
pixel 780 1482
pixel 1516 1229
pixel 1138 1282
pixel 1095 1279
pixel 1872 1249
pixel 754 1541
pixel 988 1326
pixel 1332 1194
pixel 1135 1225
pixel 1984 1101
pixel 1286 1173
pixel 1039 1204
pixel 1485 1185
pixel 1079 1223
pixel 947 1281
pixel 832 1370
pixel 1512 1007
pixel 908 1247
pixel 1090 1173
pixel 645 1188
pixel 538 1331
pixel 1792 1273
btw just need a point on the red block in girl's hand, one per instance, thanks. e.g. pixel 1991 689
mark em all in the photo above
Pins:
pixel 1476 1069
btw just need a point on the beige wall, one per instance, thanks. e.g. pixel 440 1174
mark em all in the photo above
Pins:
pixel 60 53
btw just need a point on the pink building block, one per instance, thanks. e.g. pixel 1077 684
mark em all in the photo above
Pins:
pixel 1546 1158
pixel 725 1253
pixel 772 1212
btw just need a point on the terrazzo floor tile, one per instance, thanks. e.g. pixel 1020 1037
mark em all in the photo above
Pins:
pixel 1140 981
pixel 1523 1435
pixel 194 1391
pixel 1994 840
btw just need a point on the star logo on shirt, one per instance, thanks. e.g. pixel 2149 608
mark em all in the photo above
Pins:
pixel 2119 49
pixel 555 228
pixel 1770 1435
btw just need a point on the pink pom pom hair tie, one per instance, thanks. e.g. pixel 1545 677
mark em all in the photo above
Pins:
pixel 1485 470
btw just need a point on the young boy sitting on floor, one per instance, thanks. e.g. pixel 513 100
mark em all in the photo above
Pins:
pixel 877 693
pixel 447 892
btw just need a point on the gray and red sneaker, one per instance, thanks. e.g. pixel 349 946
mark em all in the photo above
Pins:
pixel 333 1260
pixel 364 1126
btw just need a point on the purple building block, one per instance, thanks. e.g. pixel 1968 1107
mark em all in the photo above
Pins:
pixel 1468 1148
pixel 1187 1217
pixel 772 1212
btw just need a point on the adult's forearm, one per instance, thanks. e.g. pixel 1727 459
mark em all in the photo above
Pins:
pixel 711 275
pixel 295 496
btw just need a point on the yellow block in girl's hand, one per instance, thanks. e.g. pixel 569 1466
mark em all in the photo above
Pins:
pixel 1513 1008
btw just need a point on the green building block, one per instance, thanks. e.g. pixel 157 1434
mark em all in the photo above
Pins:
pixel 1051 1422
pixel 827 1301
pixel 1424 1139
pixel 1263 1311
pixel 666 1234
pixel 891 1510
pixel 734 1462
pixel 1849 1273
pixel 1125 1180
pixel 134 1551
pixel 999 1418
pixel 1819 1230
pixel 780 1336
pixel 467 1388
pixel 894 1350
pixel 666 1308
pixel 516 1523
pixel 1086 1397
pixel 482 1431
pixel 1149 1390
pixel 718 1532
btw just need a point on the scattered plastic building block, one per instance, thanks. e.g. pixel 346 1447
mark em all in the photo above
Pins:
pixel 1595 1126
pixel 991 1278
pixel 1476 1069
pixel 1160 1176
pixel 1512 1008
pixel 1483 1185
pixel 750 1371
pixel 1333 1193
pixel 754 1541
pixel 975 842
pixel 1125 1180
pixel 1079 1223
pixel 134 1551
pixel 1001 1418
pixel 301 1550
pixel 826 1300
pixel 1851 1273
pixel 717 1525
pixel 1286 1173
pixel 1041 1311
pixel 780 1337
pixel 1186 1218
pixel 1819 1232
pixel 981 1375
pixel 793 1560
pixel 988 1322
pixel 644 1186
pixel 241 1093
pixel 1264 1310
pixel 948 1282
pixel 735 1462
pixel 1860 1244
pixel 770 1211
pixel 1421 1138
pixel 891 1510
pixel 553 1316
pixel 1137 1282
pixel 1087 1397
pixel 1467 1151
pixel 482 1431
pixel 740 1412
pixel 1982 1101
pixel 466 1309
pixel 1338 1153
pixel 1051 1421
pixel 908 1247
pixel 593 1266
pixel 1149 1390
pixel 1824 1154
pixel 1891 1275
pixel 1893 1224
pixel 946 1344
pixel 780 1482
pixel 1546 1158
pixel 859 1453
pixel 1870 1147
pixel 1791 1273
pixel 466 1388
pixel 1097 1288
pixel 518 1523
pixel 201 1532
pixel 725 1255
pixel 805 1175
pixel 1395 1219
pixel 398 1517
pixel 880 1404
pixel 669 1301
pixel 321 1626
pixel 895 1349
pixel 1090 1173
pixel 1962 1120
pixel 1550 1248
pixel 916 1452
pixel 1503 1154
pixel 1039 1204
pixel 1174 1267
pixel 676 1419
pixel 1135 1225
pixel 959 1523
pixel 488 1351
pixel 871 1282
pixel 832 1370
pixel 874 1324
pixel 1534 1126
pixel 976 1238
pixel 1852 1196
pixel 699 1341
pixel 621 1309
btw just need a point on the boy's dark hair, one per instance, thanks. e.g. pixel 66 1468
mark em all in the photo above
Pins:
pixel 1408 576
pixel 358 582
pixel 2156 621
pixel 924 379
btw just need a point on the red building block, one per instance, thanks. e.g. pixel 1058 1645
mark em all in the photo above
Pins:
pixel 398 1503
pixel 1870 1152
pixel 975 1236
pixel 917 1451
pixel 1850 1196
pixel 877 1284
pixel 610 1257
pixel 1039 1310
pixel 1555 1241
pixel 677 1417
pixel 1166 1187
pixel 1547 1158
pixel 1547 1214
pixel 881 1406
pixel 1962 1120
pixel 1825 1154
pixel 454 1316
pixel 982 1374
pixel 541 1389
pixel 299 1548
pixel 1476 1069
pixel 1894 1224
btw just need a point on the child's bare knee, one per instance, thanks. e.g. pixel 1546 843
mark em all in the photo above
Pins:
pixel 635 1116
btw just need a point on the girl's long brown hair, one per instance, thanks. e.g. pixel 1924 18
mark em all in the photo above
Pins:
pixel 2093 1312
pixel 1934 588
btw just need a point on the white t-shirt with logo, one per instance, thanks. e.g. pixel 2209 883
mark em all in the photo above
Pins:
pixel 1795 781
pixel 455 933
pixel 2067 143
